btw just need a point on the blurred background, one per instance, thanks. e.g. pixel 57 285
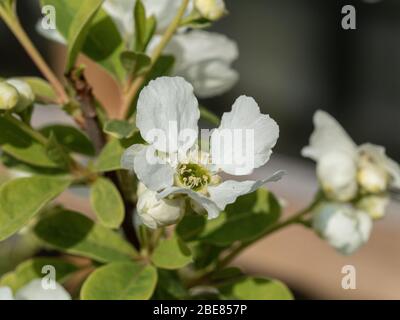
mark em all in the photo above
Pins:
pixel 295 58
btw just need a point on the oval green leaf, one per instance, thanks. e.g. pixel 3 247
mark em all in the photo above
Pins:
pixel 74 233
pixel 171 254
pixel 250 288
pixel 120 281
pixel 23 198
pixel 107 203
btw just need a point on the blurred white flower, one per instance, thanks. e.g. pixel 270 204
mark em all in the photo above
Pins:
pixel 8 96
pixel 205 60
pixel 35 291
pixel 344 227
pixel 156 213
pixel 345 169
pixel 211 9
pixel 172 163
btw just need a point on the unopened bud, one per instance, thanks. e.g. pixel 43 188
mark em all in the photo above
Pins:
pixel 8 96
pixel 211 9
pixel 26 95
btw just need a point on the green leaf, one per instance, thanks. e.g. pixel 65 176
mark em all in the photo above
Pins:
pixel 23 198
pixel 135 62
pixel 162 67
pixel 120 128
pixel 171 254
pixel 15 164
pixel 246 219
pixel 79 29
pixel 71 138
pixel 144 27
pixel 107 203
pixel 103 42
pixel 22 146
pixel 57 153
pixel 76 234
pixel 110 157
pixel 190 227
pixel 41 88
pixel 169 286
pixel 120 281
pixel 250 288
pixel 32 269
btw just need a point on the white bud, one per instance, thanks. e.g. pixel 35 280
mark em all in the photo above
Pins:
pixel 344 227
pixel 337 173
pixel 375 206
pixel 155 213
pixel 211 9
pixel 8 96
pixel 372 177
pixel 26 95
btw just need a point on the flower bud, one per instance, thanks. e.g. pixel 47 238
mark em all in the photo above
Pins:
pixel 26 95
pixel 211 9
pixel 337 174
pixel 375 206
pixel 155 213
pixel 8 96
pixel 344 227
pixel 372 177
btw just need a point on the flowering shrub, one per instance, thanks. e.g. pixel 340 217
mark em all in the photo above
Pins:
pixel 171 207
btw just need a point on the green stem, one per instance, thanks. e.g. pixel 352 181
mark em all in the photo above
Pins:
pixel 11 20
pixel 138 82
pixel 296 218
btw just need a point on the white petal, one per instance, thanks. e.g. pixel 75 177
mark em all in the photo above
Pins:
pixel 337 173
pixel 211 208
pixel 204 59
pixel 245 138
pixel 167 114
pixel 6 293
pixel 155 173
pixel 328 136
pixel 35 291
pixel 121 12
pixel 228 191
pixel 378 154
pixel 163 10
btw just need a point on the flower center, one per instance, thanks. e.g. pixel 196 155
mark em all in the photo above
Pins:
pixel 193 176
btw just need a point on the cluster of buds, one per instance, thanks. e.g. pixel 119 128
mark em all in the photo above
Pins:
pixel 15 95
pixel 355 181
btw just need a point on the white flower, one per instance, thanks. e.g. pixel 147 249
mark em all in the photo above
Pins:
pixel 172 163
pixel 375 206
pixel 205 60
pixel 35 291
pixel 8 96
pixel 345 169
pixel 155 213
pixel 211 9
pixel 344 227
pixel 26 95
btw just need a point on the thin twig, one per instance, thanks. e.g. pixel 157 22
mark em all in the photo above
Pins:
pixel 139 81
